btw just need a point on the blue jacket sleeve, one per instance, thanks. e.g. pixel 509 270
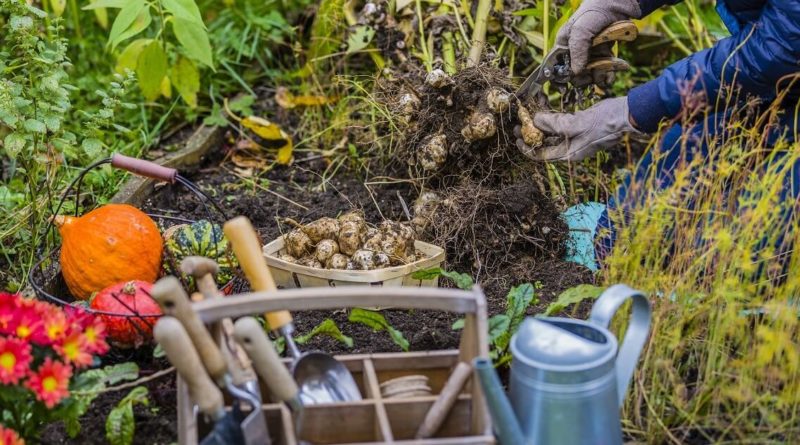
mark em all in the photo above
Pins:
pixel 755 60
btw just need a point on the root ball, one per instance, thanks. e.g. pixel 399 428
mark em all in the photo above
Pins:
pixel 363 260
pixel 325 250
pixel 532 136
pixel 498 100
pixel 298 244
pixel 433 153
pixel 337 261
pixel 438 79
pixel 351 236
pixel 323 228
pixel 425 209
pixel 310 262
pixel 288 258
pixel 381 260
pixel 481 125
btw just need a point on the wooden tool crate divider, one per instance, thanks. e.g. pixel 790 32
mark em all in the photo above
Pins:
pixel 375 419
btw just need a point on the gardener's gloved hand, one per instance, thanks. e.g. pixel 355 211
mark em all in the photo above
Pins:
pixel 584 133
pixel 591 18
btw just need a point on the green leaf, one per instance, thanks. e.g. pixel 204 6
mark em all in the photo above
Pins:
pixel 120 424
pixel 498 325
pixel 129 56
pixel 327 327
pixel 14 143
pixel 124 20
pixel 186 80
pixel 462 280
pixel 141 23
pixel 427 274
pixel 242 105
pixel 194 39
pixel 573 295
pixel 92 147
pixel 184 9
pixel 377 322
pixel 360 38
pixel 517 301
pixel 35 126
pixel 106 4
pixel 150 69
pixel 216 117
pixel 458 324
pixel 158 351
pixel 85 388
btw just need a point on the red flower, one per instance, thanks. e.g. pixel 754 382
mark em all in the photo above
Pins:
pixel 9 437
pixel 73 349
pixel 15 357
pixel 55 326
pixel 50 383
pixel 95 337
pixel 7 312
pixel 28 326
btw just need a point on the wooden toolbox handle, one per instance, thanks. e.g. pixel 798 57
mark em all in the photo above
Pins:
pixel 314 298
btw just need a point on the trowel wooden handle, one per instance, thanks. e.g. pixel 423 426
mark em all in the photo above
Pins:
pixel 623 31
pixel 247 248
pixel 177 345
pixel 174 302
pixel 267 363
pixel 438 412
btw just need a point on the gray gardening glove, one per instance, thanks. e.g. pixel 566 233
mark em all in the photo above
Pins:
pixel 584 133
pixel 591 18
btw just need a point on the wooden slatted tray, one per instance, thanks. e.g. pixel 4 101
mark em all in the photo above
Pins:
pixel 375 419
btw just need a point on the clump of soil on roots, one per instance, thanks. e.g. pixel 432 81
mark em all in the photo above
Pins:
pixel 480 197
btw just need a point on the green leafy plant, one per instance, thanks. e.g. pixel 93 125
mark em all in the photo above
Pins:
pixel 159 63
pixel 120 423
pixel 378 323
pixel 326 328
pixel 503 326
pixel 573 295
pixel 461 280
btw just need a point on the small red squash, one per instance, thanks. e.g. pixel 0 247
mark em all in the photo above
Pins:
pixel 111 244
pixel 133 299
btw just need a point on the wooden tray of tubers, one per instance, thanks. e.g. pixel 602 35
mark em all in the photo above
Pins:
pixel 347 251
pixel 292 275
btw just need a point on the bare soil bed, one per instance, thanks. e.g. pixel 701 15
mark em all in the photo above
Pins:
pixel 302 183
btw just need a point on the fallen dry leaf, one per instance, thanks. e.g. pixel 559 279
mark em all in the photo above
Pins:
pixel 271 132
pixel 286 99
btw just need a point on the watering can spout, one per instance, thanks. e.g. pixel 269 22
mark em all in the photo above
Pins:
pixel 505 421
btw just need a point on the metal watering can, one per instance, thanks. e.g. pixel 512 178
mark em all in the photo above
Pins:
pixel 568 382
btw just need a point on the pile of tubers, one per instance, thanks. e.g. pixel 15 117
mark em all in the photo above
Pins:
pixel 349 243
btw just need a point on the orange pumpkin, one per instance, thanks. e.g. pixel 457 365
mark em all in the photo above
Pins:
pixel 111 244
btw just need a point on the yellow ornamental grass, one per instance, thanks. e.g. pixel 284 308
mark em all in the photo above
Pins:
pixel 723 360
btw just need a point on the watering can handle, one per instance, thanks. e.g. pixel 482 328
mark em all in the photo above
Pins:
pixel 636 334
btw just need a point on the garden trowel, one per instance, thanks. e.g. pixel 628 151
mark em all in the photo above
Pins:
pixel 322 378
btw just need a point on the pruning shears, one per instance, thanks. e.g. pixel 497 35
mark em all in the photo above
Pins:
pixel 555 68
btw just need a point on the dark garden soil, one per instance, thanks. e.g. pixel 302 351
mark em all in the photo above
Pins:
pixel 299 192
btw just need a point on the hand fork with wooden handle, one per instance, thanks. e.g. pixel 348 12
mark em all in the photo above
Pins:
pixel 171 335
pixel 174 302
pixel 321 378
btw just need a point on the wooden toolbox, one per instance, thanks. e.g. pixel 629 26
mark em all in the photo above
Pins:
pixel 375 419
